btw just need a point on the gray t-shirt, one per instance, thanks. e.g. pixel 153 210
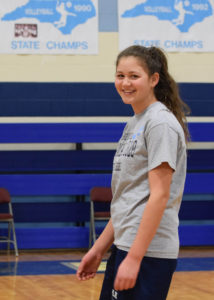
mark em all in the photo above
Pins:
pixel 149 139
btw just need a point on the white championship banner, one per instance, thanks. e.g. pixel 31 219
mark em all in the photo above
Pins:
pixel 49 26
pixel 173 25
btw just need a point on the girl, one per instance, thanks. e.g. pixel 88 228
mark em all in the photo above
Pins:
pixel 148 178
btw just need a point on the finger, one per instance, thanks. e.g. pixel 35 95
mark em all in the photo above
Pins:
pixel 80 269
pixel 132 284
pixel 90 276
pixel 121 284
pixel 117 284
pixel 126 285
pixel 85 276
pixel 80 275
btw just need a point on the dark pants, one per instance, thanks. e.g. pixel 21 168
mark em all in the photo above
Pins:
pixel 153 280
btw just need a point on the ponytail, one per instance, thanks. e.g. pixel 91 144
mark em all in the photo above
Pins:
pixel 167 92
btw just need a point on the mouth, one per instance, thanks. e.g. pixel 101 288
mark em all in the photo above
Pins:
pixel 128 92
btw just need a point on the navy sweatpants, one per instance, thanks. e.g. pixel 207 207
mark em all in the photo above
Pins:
pixel 153 280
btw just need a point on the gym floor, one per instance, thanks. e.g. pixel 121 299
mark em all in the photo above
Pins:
pixel 51 275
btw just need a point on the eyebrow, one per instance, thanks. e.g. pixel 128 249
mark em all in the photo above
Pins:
pixel 131 72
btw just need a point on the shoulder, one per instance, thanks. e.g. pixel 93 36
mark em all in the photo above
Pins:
pixel 160 116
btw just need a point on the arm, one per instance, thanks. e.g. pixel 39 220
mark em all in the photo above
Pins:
pixel 159 182
pixel 91 261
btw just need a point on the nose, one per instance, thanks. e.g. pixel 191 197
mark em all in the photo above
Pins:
pixel 126 81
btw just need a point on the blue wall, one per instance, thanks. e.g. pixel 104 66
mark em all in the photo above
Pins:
pixel 87 99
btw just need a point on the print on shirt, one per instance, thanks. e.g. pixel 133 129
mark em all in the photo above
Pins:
pixel 126 147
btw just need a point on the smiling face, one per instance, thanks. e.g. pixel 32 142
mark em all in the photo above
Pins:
pixel 134 84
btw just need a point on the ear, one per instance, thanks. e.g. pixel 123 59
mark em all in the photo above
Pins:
pixel 155 79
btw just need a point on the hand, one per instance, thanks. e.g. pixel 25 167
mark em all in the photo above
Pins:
pixel 89 265
pixel 127 274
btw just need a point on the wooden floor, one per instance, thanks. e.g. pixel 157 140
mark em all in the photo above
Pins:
pixel 197 285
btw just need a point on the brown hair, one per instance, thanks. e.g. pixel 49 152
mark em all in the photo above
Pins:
pixel 166 91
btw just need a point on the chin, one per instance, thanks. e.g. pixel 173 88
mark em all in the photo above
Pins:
pixel 127 100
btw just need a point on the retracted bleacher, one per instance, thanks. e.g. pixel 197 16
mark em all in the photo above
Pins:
pixel 50 162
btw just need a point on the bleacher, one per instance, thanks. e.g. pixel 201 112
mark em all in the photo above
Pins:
pixel 58 140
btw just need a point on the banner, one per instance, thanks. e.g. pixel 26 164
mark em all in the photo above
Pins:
pixel 49 26
pixel 173 25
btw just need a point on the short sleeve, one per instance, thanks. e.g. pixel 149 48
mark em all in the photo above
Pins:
pixel 162 146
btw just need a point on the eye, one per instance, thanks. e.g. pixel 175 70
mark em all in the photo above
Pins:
pixel 134 76
pixel 119 76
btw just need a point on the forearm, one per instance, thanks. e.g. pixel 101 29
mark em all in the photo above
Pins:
pixel 91 261
pixel 105 240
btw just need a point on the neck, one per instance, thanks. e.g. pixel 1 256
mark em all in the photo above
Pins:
pixel 138 109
